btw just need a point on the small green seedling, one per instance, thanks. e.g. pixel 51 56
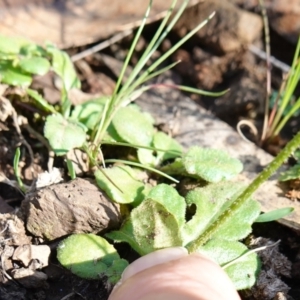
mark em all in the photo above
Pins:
pixel 71 169
pixel 20 60
pixel 17 171
pixel 285 106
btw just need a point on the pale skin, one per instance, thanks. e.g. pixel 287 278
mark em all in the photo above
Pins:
pixel 173 274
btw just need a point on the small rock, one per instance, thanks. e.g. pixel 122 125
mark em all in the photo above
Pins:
pixel 29 253
pixel 47 178
pixel 12 230
pixel 74 207
pixel 228 30
pixel 284 17
pixel 6 255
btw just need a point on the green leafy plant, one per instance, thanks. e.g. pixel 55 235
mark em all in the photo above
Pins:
pixel 224 214
pixel 285 105
pixel 19 60
pixel 213 217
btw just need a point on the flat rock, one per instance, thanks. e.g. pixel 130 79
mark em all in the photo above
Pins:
pixel 196 126
pixel 74 23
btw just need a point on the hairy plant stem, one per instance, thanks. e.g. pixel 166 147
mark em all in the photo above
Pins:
pixel 247 193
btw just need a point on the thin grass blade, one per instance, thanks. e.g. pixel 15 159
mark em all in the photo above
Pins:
pixel 169 52
pixel 130 163
pixel 150 49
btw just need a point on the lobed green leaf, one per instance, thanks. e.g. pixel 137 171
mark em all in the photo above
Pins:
pixel 211 202
pixel 89 112
pixel 274 215
pixel 146 157
pixel 30 50
pixel 210 164
pixel 40 100
pixel 150 226
pixel 169 197
pixel 63 66
pixel 242 268
pixel 11 45
pixel 290 174
pixel 172 148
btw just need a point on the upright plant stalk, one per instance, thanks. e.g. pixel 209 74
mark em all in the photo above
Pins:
pixel 153 45
pixel 287 117
pixel 243 198
pixel 268 63
pixel 144 75
pixel 275 106
pixel 121 95
pixel 291 85
pixel 125 92
pixel 114 99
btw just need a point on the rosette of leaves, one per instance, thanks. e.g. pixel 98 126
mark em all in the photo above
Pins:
pixel 160 222
pixel 162 218
pixel 210 219
pixel 20 60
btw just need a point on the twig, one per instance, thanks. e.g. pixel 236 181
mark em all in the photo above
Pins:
pixel 5 227
pixel 236 260
pixel 268 64
pixel 68 296
pixel 273 60
pixel 117 37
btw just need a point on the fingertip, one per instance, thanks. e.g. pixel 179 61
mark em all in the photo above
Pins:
pixel 152 259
